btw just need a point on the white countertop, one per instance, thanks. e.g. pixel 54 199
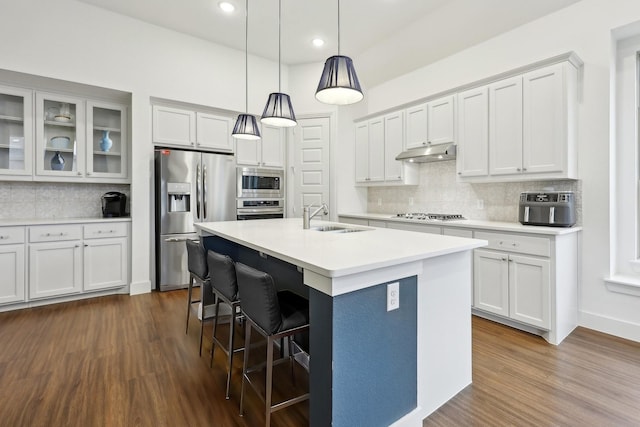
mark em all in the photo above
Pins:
pixel 471 223
pixel 55 221
pixel 333 254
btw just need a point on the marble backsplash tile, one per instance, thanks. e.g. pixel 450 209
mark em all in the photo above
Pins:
pixel 438 191
pixel 38 200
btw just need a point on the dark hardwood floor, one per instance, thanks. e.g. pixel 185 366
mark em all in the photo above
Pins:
pixel 126 361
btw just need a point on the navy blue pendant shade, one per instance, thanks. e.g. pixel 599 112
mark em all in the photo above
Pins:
pixel 339 83
pixel 279 111
pixel 246 127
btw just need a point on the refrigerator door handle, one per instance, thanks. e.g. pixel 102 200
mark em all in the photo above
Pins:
pixel 204 193
pixel 180 239
pixel 198 183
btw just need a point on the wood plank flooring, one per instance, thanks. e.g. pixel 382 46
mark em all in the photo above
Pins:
pixel 126 361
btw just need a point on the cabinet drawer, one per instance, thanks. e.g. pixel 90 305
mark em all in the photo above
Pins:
pixel 51 233
pixel 10 235
pixel 100 230
pixel 515 243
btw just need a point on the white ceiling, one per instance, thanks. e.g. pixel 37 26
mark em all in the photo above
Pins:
pixel 435 28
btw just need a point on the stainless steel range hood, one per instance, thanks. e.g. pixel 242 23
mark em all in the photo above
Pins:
pixel 434 153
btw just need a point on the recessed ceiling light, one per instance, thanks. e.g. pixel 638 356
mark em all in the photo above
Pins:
pixel 317 42
pixel 226 6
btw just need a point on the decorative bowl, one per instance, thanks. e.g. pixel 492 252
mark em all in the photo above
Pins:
pixel 60 142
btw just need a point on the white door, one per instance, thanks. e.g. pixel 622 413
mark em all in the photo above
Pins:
pixel 174 126
pixel 416 131
pixel 529 290
pixel 12 277
pixel 545 125
pixel 441 129
pixel 393 139
pixel 273 143
pixel 55 268
pixel 214 132
pixel 310 171
pixel 505 127
pixel 473 133
pixel 362 152
pixel 376 150
pixel 491 282
pixel 105 263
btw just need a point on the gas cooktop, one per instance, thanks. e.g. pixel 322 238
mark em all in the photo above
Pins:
pixel 429 216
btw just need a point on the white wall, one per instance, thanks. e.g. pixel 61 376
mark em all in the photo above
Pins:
pixel 586 29
pixel 69 40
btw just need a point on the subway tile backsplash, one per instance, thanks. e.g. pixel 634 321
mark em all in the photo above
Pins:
pixel 43 200
pixel 439 192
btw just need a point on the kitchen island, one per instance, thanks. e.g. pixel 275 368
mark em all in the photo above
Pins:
pixel 369 365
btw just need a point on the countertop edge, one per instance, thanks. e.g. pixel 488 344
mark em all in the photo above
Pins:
pixel 470 223
pixel 58 221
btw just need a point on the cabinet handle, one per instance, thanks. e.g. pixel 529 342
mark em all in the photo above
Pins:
pixel 79 173
pixel 514 244
pixel 424 143
pixel 510 260
pixel 518 169
pixel 86 246
pixel 459 173
pixel 4 237
pixel 504 259
pixel 524 169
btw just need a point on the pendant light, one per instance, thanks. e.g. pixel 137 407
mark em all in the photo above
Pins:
pixel 279 111
pixel 339 83
pixel 246 125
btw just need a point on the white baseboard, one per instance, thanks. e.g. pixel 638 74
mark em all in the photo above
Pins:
pixel 137 288
pixel 608 325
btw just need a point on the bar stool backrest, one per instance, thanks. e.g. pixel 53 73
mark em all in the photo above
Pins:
pixel 222 273
pixel 197 259
pixel 259 298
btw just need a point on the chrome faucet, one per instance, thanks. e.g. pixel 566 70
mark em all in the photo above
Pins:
pixel 307 215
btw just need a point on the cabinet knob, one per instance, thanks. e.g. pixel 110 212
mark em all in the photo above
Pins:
pixel 79 173
pixel 524 169
pixel 459 173
pixel 504 259
pixel 424 143
pixel 518 169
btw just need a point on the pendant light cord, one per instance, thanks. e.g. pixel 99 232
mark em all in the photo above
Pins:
pixel 246 57
pixel 279 47
pixel 338 27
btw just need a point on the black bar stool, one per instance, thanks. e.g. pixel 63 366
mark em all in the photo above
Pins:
pixel 198 277
pixel 222 273
pixel 275 315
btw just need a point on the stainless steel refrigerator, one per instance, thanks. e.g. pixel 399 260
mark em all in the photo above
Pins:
pixel 190 187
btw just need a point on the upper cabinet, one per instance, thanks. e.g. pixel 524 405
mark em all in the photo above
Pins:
pixel 187 128
pixel 268 151
pixel 78 139
pixel 377 143
pixel 531 121
pixel 431 123
pixel 16 132
pixel 60 136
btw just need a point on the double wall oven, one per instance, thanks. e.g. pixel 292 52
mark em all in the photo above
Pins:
pixel 259 193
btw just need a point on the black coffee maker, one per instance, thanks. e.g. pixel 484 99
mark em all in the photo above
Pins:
pixel 114 204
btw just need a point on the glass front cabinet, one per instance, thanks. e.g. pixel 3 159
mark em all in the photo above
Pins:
pixel 16 132
pixel 80 139
pixel 60 133
pixel 106 140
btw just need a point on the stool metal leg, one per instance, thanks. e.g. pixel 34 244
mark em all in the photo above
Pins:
pixel 247 339
pixel 267 399
pixel 232 330
pixel 215 327
pixel 189 293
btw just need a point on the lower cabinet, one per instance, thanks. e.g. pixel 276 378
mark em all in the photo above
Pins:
pixel 105 256
pixel 47 261
pixel 12 265
pixel 512 286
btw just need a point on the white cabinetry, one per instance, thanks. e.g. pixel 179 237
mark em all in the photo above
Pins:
pixel 187 128
pixel 528 282
pixel 106 140
pixel 531 127
pixel 393 145
pixel 431 123
pixel 378 141
pixel 268 151
pixel 55 260
pixel 16 132
pixel 473 133
pixel 105 256
pixel 505 126
pixel 12 265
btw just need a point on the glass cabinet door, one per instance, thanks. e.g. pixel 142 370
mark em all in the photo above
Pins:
pixel 60 135
pixel 16 132
pixel 106 140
